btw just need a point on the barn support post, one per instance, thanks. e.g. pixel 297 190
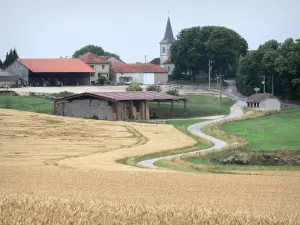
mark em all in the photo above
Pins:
pixel 117 111
pixel 185 113
pixel 158 109
pixel 172 109
pixel 145 108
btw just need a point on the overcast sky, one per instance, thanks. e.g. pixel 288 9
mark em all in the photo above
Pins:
pixel 134 28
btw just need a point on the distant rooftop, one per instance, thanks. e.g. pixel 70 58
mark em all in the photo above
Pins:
pixel 138 68
pixel 259 97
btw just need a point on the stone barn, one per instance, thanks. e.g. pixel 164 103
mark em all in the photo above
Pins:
pixel 51 72
pixel 113 105
pixel 264 102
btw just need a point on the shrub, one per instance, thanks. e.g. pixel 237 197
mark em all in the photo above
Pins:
pixel 63 94
pixel 154 87
pixel 108 82
pixel 134 87
pixel 173 91
pixel 101 80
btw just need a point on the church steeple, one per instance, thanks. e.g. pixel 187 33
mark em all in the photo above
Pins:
pixel 169 37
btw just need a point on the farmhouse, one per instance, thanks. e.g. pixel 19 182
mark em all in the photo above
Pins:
pixel 113 105
pixel 143 73
pixel 101 64
pixel 263 101
pixel 51 72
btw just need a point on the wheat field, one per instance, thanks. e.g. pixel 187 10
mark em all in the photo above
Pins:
pixel 56 170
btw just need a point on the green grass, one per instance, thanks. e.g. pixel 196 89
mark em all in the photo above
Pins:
pixel 276 132
pixel 198 106
pixel 27 103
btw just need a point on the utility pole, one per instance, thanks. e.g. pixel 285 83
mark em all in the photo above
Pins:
pixel 220 77
pixel 209 73
pixel 264 82
pixel 272 84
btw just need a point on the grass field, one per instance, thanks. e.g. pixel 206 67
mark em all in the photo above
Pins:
pixel 58 170
pixel 27 103
pixel 198 106
pixel 275 132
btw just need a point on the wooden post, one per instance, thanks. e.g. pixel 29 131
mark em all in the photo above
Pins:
pixel 185 114
pixel 117 111
pixel 158 109
pixel 172 109
pixel 145 108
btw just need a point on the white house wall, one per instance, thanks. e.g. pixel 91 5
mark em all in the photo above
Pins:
pixel 136 77
pixel 270 104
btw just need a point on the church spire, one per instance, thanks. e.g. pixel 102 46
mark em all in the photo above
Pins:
pixel 169 37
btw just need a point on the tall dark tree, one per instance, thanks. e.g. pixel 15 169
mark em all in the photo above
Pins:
pixel 197 45
pixel 1 64
pixel 97 50
pixel 11 56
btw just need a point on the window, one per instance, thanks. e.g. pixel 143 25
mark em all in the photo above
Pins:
pixel 99 74
pixel 168 68
pixel 109 103
pixel 92 74
pixel 103 67
pixel 92 66
pixel 164 49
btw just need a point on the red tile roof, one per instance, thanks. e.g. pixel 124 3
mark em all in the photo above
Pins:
pixel 138 68
pixel 60 65
pixel 126 96
pixel 92 58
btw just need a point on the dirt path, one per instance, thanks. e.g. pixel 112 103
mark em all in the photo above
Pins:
pixel 195 129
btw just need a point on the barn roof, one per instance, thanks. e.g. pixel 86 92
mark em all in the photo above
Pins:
pixel 127 96
pixel 138 68
pixel 259 97
pixel 90 57
pixel 56 65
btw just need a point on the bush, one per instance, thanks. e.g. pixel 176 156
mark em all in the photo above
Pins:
pixel 134 87
pixel 108 82
pixel 101 80
pixel 173 91
pixel 63 94
pixel 154 87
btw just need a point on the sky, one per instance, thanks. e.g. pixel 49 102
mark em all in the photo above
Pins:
pixel 134 28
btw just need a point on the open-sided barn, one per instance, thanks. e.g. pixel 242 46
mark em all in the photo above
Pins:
pixel 131 105
pixel 51 72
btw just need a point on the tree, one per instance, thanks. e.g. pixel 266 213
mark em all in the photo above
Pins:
pixel 272 60
pixel 11 56
pixel 1 64
pixel 97 50
pixel 197 45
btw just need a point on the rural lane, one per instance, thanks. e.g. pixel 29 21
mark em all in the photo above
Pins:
pixel 195 129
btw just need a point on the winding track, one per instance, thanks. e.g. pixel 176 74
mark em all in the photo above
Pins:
pixel 195 129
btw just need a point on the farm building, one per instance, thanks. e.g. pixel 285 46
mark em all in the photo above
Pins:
pixel 113 105
pixel 263 101
pixel 7 79
pixel 51 72
pixel 101 64
pixel 143 73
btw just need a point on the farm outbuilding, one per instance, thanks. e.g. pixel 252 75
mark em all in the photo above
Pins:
pixel 264 102
pixel 113 105
pixel 143 73
pixel 51 72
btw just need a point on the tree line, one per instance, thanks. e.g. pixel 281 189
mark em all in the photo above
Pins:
pixel 10 57
pixel 229 55
pixel 276 63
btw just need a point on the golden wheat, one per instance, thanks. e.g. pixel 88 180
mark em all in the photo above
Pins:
pixel 86 186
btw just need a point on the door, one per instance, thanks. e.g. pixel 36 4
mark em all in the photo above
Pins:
pixel 148 78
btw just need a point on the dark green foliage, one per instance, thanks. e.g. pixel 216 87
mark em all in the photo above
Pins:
pixel 134 87
pixel 197 45
pixel 173 91
pixel 154 87
pixel 63 94
pixel 97 50
pixel 11 56
pixel 101 80
pixel 282 61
